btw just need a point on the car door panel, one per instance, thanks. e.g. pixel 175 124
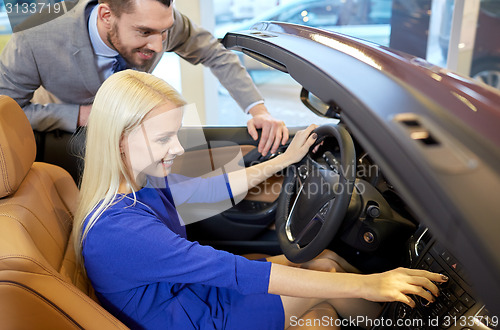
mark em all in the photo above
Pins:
pixel 247 227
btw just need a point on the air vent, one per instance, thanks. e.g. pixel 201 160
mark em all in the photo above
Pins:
pixel 424 137
pixel 422 242
pixel 265 60
pixel 411 122
pixel 418 132
pixel 436 146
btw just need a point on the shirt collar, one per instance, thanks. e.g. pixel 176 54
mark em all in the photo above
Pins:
pixel 100 48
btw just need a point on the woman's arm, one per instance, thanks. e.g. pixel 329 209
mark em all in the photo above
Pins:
pixel 394 285
pixel 249 177
pixel 326 261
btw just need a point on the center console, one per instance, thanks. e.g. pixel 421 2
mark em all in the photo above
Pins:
pixel 457 307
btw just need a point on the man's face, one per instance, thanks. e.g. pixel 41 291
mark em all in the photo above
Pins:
pixel 138 35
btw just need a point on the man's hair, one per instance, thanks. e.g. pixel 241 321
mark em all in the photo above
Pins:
pixel 127 6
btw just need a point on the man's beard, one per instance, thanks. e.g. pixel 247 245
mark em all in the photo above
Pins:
pixel 114 40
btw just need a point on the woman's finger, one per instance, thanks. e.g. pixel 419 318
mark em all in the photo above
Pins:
pixel 425 283
pixel 435 277
pixel 419 291
pixel 406 300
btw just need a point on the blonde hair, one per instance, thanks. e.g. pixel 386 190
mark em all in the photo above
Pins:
pixel 120 105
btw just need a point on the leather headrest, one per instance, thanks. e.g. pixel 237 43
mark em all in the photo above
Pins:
pixel 17 146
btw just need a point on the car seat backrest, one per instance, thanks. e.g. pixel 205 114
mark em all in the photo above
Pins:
pixel 40 285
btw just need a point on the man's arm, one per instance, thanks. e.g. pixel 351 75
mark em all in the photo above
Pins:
pixel 20 78
pixel 197 45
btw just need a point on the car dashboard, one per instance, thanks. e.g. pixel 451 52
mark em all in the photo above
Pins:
pixel 458 306
pixel 434 134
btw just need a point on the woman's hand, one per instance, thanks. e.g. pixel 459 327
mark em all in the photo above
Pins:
pixel 300 145
pixel 397 284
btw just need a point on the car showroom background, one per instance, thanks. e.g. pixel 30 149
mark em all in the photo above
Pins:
pixel 423 28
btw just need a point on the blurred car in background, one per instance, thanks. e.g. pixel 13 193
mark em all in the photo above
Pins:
pixel 244 10
pixel 4 20
pixel 410 30
pixel 239 10
pixel 222 11
pixel 400 24
pixel 365 19
pixel 486 58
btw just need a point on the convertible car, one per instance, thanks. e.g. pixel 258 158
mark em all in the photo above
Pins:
pixel 406 174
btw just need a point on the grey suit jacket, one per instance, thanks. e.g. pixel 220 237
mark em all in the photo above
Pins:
pixel 58 55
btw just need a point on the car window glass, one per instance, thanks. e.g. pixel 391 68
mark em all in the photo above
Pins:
pixel 365 12
pixel 319 15
pixel 291 15
pixel 380 12
pixel 492 7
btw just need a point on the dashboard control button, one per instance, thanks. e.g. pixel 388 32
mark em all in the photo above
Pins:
pixel 369 237
pixel 428 259
pixel 460 308
pixel 423 266
pixel 456 289
pixel 467 300
pixel 402 311
pixel 448 295
pixel 373 211
pixel 446 257
pixel 436 268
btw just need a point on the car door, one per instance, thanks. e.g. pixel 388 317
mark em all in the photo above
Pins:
pixel 247 227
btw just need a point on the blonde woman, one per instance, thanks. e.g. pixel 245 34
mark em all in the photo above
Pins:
pixel 134 247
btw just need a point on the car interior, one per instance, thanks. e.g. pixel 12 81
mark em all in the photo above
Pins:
pixel 40 285
pixel 425 203
pixel 414 170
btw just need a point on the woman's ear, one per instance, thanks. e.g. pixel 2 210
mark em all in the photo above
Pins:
pixel 122 145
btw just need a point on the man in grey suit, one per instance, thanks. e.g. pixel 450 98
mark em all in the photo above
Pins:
pixel 71 55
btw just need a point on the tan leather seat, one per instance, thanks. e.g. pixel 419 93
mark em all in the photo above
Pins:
pixel 40 287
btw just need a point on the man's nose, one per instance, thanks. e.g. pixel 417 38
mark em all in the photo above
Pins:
pixel 155 43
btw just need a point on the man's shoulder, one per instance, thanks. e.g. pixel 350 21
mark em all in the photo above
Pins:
pixel 51 25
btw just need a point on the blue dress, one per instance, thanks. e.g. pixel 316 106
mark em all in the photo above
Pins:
pixel 146 272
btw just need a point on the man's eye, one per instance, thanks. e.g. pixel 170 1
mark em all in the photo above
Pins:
pixel 144 33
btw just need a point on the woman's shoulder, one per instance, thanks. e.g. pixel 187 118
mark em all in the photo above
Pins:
pixel 123 207
pixel 123 217
pixel 128 204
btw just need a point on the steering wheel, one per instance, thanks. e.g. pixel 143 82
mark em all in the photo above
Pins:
pixel 315 198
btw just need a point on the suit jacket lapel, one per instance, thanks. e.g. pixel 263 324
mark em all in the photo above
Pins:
pixel 82 48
